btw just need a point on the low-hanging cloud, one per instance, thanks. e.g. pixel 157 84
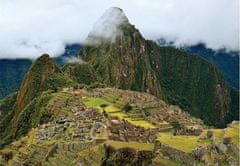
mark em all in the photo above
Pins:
pixel 74 60
pixel 29 28
pixel 107 27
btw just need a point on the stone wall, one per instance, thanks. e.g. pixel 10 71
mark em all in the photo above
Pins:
pixel 127 156
pixel 76 146
pixel 186 158
pixel 122 130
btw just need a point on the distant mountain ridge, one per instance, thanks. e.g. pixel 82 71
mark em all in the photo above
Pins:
pixel 12 71
pixel 226 61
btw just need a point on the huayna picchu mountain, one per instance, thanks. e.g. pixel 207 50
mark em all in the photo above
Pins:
pixel 126 101
pixel 128 61
pixel 43 75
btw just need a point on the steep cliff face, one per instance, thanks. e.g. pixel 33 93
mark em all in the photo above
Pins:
pixel 128 61
pixel 43 75
pixel 194 84
pixel 122 60
pixel 81 73
pixel 35 78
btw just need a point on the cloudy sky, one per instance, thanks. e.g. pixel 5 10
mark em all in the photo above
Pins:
pixel 29 28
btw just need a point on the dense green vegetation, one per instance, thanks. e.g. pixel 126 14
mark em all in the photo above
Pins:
pixel 81 73
pixel 25 109
pixel 226 61
pixel 6 104
pixel 193 83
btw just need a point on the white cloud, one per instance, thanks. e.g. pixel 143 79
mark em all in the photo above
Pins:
pixel 74 60
pixel 29 28
pixel 107 27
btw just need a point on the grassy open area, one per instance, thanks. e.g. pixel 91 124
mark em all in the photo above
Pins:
pixel 135 145
pixel 112 110
pixel 233 132
pixel 218 134
pixel 182 142
pixel 95 102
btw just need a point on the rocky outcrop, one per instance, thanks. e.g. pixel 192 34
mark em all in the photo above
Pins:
pixel 123 63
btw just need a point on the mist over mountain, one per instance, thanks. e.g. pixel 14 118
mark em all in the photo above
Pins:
pixel 12 71
pixel 39 27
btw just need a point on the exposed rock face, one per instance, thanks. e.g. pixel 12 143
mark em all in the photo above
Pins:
pixel 123 63
pixel 34 79
pixel 131 62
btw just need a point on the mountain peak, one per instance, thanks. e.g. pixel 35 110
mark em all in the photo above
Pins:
pixel 107 27
pixel 34 79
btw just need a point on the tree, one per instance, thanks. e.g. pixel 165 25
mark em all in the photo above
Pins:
pixel 103 106
pixel 127 108
pixel 175 124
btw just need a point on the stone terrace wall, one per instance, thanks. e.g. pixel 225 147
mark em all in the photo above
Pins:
pixel 173 153
pixel 76 146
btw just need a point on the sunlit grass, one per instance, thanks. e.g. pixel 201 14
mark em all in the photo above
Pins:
pixel 182 142
pixel 112 110
pixel 218 134
pixel 95 102
pixel 233 132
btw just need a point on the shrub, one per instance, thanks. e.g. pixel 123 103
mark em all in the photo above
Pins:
pixel 127 108
pixel 175 124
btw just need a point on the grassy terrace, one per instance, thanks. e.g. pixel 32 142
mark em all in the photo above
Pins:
pixel 218 134
pixel 112 110
pixel 233 132
pixel 181 142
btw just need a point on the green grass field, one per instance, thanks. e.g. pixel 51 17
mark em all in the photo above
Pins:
pixel 112 110
pixel 233 132
pixel 182 142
